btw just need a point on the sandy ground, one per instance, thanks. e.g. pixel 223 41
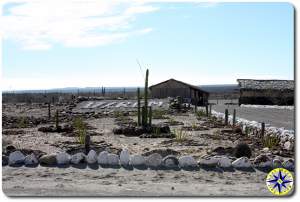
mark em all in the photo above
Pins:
pixel 70 181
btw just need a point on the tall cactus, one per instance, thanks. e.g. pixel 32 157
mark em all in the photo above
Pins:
pixel 145 114
pixel 150 116
pixel 139 106
pixel 49 110
pixel 56 120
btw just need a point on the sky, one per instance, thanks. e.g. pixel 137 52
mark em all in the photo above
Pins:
pixel 73 43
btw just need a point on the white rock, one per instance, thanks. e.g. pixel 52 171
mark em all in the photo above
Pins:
pixel 187 162
pixel 124 157
pixel 154 160
pixel 262 161
pixel 78 158
pixel 91 157
pixel 289 164
pixel 224 162
pixel 103 158
pixel 288 145
pixel 209 161
pixel 265 150
pixel 170 161
pixel 113 160
pixel 137 160
pixel 15 158
pixel 31 160
pixel 242 162
pixel 63 158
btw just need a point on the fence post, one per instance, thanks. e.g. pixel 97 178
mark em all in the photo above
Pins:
pixel 262 129
pixel 87 143
pixel 226 116
pixel 234 117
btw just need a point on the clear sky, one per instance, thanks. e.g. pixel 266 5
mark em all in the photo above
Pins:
pixel 71 43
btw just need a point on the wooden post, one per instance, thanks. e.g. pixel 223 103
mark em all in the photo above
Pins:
pixel 226 116
pixel 87 141
pixel 234 117
pixel 262 129
pixel 206 110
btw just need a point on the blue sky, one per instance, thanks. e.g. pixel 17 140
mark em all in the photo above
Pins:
pixel 97 43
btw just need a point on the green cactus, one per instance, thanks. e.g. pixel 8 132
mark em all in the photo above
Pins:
pixel 49 111
pixel 139 106
pixel 150 116
pixel 145 114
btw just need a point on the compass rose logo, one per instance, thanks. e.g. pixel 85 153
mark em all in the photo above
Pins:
pixel 279 181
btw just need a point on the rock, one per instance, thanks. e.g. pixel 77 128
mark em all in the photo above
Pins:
pixel 31 160
pixel 224 162
pixel 137 161
pixel 91 157
pixel 118 130
pixel 289 164
pixel 16 158
pixel 103 158
pixel 276 163
pixel 154 160
pixel 139 130
pixel 242 162
pixel 124 157
pixel 242 150
pixel 209 161
pixel 288 146
pixel 170 162
pixel 78 158
pixel 4 160
pixel 265 150
pixel 262 161
pixel 113 160
pixel 48 160
pixel 187 162
pixel 63 158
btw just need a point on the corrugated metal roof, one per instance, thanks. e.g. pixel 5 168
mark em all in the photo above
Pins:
pixel 266 84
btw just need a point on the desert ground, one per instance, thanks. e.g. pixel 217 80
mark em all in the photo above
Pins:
pixel 201 136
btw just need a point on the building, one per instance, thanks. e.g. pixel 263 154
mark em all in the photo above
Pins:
pixel 266 92
pixel 174 88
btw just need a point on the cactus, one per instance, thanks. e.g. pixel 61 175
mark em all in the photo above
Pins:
pixel 145 114
pixel 150 116
pixel 56 120
pixel 139 106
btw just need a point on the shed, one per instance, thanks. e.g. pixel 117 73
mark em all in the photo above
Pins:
pixel 266 92
pixel 174 88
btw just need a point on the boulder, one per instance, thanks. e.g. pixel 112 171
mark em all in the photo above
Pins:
pixel 242 162
pixel 113 160
pixel 289 164
pixel 63 158
pixel 48 160
pixel 209 161
pixel 78 158
pixel 242 150
pixel 124 157
pixel 31 160
pixel 276 163
pixel 4 160
pixel 170 162
pixel 288 146
pixel 262 161
pixel 224 162
pixel 137 161
pixel 16 158
pixel 91 157
pixel 154 160
pixel 187 162
pixel 103 158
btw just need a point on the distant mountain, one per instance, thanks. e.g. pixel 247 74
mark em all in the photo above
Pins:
pixel 221 88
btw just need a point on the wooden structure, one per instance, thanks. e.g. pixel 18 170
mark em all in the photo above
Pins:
pixel 174 88
pixel 266 92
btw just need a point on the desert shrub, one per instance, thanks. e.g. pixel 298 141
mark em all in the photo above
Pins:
pixel 200 113
pixel 271 141
pixel 180 135
pixel 159 114
pixel 242 149
pixel 22 123
pixel 80 130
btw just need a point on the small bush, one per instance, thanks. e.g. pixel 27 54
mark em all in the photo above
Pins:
pixel 242 149
pixel 180 135
pixel 271 141
pixel 159 114
pixel 80 130
pixel 200 113
pixel 22 123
